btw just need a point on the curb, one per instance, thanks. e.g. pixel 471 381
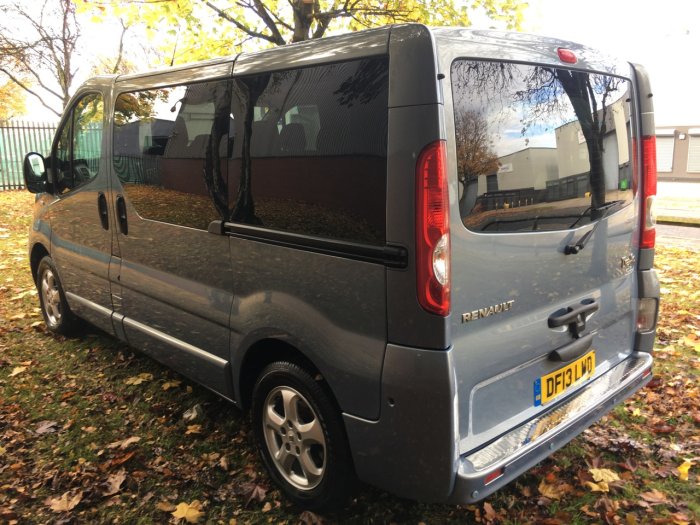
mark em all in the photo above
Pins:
pixel 678 221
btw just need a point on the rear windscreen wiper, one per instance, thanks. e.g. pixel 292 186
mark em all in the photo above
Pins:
pixel 606 208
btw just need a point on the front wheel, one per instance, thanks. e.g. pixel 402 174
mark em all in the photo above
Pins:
pixel 54 307
pixel 301 437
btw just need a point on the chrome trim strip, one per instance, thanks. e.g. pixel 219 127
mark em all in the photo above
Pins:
pixel 177 343
pixel 519 441
pixel 89 304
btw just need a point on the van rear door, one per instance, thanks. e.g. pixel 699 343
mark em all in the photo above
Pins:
pixel 543 234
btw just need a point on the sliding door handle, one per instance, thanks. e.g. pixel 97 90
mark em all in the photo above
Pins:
pixel 102 210
pixel 121 215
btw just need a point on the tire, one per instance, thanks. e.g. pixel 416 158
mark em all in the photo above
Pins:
pixel 54 307
pixel 301 437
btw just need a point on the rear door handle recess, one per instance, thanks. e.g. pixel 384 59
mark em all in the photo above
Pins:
pixel 121 215
pixel 102 210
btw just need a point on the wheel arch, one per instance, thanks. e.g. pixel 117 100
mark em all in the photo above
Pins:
pixel 38 252
pixel 264 352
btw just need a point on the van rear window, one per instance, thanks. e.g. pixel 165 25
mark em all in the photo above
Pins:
pixel 539 148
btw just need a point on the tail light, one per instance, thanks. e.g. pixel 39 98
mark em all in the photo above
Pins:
pixel 432 230
pixel 648 237
pixel 647 312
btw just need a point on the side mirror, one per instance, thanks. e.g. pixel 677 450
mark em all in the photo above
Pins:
pixel 34 173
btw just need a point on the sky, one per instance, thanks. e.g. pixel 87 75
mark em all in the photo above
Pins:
pixel 663 36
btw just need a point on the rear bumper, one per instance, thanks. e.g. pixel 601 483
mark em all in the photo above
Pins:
pixel 513 453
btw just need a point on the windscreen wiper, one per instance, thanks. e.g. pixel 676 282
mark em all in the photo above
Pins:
pixel 579 245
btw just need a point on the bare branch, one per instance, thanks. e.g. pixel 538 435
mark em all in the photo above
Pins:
pixel 29 90
pixel 223 14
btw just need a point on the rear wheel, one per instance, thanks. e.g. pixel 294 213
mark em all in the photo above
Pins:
pixel 54 307
pixel 301 437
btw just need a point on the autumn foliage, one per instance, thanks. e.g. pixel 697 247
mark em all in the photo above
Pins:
pixel 91 432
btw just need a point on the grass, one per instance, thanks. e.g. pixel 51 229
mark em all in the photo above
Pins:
pixel 84 386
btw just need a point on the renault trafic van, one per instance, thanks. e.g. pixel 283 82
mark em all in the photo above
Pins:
pixel 419 257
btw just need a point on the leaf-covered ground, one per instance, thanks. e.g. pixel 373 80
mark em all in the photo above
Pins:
pixel 91 432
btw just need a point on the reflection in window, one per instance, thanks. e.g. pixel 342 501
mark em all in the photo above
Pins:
pixel 79 149
pixel 539 148
pixel 311 151
pixel 170 148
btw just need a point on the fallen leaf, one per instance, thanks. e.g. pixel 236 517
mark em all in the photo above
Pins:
pixel 489 513
pixel 194 429
pixel 194 413
pixel 549 490
pixel 683 469
pixel 17 370
pixel 124 443
pixel 118 460
pixel 267 507
pixel 114 483
pixel 89 430
pixel 65 503
pixel 137 380
pixel 171 384
pixel 46 427
pixel 680 519
pixel 165 506
pixel 309 518
pixel 601 486
pixel 254 492
pixel 190 512
pixel 604 474
pixel 654 497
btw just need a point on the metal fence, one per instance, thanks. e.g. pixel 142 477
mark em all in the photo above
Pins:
pixel 17 138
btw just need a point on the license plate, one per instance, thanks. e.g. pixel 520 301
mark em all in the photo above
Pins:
pixel 554 384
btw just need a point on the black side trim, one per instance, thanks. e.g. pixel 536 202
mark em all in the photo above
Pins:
pixel 391 256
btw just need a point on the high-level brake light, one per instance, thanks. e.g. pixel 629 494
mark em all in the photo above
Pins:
pixel 566 55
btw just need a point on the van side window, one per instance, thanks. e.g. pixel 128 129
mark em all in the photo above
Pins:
pixel 170 150
pixel 538 147
pixel 311 151
pixel 79 147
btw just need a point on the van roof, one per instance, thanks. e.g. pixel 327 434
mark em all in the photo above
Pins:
pixel 474 43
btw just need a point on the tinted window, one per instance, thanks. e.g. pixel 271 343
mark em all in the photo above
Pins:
pixel 539 148
pixel 79 148
pixel 170 150
pixel 310 152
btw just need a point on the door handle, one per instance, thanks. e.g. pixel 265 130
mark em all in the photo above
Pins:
pixel 121 215
pixel 574 317
pixel 102 210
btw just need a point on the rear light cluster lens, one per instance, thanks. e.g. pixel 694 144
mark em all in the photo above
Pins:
pixel 648 238
pixel 646 314
pixel 432 230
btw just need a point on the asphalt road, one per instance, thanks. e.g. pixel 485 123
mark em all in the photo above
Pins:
pixel 685 236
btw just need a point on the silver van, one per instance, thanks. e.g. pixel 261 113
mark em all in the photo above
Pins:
pixel 422 258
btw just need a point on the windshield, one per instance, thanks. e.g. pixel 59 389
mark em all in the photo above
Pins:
pixel 539 148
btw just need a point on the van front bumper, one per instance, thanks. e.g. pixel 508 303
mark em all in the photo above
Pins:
pixel 484 471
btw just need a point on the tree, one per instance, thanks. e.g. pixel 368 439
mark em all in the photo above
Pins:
pixel 475 154
pixel 11 100
pixel 37 48
pixel 196 29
